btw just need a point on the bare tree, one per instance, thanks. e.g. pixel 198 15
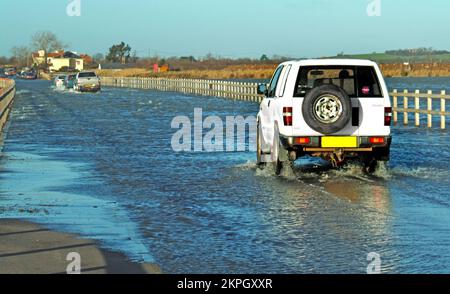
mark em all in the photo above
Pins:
pixel 47 41
pixel 4 60
pixel 21 55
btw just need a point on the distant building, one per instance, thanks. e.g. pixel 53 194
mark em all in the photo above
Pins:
pixel 55 61
pixel 87 59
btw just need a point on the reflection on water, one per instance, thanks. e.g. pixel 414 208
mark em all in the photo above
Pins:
pixel 327 213
pixel 218 212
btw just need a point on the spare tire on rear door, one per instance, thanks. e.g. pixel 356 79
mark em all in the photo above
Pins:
pixel 327 109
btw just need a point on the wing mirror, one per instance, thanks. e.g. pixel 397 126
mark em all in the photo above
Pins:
pixel 262 89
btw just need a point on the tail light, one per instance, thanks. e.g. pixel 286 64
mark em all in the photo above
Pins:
pixel 302 141
pixel 287 116
pixel 387 116
pixel 377 140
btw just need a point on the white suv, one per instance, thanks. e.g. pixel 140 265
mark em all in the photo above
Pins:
pixel 87 82
pixel 331 108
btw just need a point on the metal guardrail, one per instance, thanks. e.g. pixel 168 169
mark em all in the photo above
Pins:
pixel 7 93
pixel 247 92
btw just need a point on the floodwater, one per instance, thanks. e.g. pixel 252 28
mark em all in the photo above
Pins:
pixel 101 165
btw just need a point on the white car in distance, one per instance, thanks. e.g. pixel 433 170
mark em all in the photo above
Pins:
pixel 59 82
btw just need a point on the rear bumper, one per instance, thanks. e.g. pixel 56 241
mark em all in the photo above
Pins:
pixel 315 144
pixel 345 149
pixel 89 88
pixel 363 150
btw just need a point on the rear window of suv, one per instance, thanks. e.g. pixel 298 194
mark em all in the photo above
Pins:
pixel 356 81
pixel 87 75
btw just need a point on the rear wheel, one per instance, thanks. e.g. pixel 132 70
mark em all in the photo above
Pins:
pixel 279 153
pixel 370 165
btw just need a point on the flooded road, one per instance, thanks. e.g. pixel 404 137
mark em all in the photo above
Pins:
pixel 102 165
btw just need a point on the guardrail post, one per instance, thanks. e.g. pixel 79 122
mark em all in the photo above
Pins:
pixel 417 108
pixel 405 107
pixel 395 106
pixel 443 110
pixel 430 108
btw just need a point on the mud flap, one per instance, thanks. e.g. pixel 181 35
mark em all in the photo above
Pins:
pixel 279 153
pixel 263 157
pixel 283 154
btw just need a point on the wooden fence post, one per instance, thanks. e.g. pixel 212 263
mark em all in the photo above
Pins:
pixel 417 108
pixel 405 107
pixel 395 106
pixel 443 110
pixel 430 108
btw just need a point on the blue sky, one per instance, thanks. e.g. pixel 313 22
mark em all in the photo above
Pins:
pixel 231 28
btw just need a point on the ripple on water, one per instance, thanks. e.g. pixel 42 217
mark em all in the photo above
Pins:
pixel 218 212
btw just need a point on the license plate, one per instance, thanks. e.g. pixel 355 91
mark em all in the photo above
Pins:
pixel 339 142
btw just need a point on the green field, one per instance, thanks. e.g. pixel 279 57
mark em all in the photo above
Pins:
pixel 390 58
